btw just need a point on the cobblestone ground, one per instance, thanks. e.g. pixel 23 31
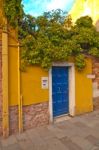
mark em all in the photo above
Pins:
pixel 78 133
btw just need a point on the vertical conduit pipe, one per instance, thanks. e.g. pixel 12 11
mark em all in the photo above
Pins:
pixel 19 95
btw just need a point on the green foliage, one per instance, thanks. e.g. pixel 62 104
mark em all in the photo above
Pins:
pixel 80 62
pixel 94 52
pixel 13 10
pixel 52 36
pixel 85 21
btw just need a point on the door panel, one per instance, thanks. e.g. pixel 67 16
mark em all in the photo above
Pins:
pixel 60 90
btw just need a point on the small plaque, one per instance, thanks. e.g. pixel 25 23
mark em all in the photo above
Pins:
pixel 91 76
pixel 44 82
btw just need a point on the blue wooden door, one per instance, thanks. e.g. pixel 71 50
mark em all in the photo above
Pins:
pixel 60 94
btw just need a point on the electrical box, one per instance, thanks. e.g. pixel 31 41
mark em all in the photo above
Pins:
pixel 44 82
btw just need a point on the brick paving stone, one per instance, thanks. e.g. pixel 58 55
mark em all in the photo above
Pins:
pixel 70 132
pixel 73 130
pixel 95 133
pixel 34 136
pixel 95 148
pixel 82 125
pixel 75 119
pixel 0 144
pixel 96 126
pixel 82 129
pixel 93 140
pixel 82 142
pixel 65 125
pixel 78 133
pixel 56 131
pixel 37 141
pixel 79 127
pixel 70 144
pixel 10 141
pixel 94 122
pixel 26 145
pixel 45 133
pixel 55 144
pixel 12 147
pixel 76 128
pixel 88 122
pixel 21 137
pixel 69 124
pixel 86 119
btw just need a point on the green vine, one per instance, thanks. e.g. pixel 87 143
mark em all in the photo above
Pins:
pixel 13 10
pixel 52 36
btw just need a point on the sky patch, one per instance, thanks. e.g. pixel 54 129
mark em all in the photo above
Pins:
pixel 37 7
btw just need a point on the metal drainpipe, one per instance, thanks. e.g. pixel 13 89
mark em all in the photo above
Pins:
pixel 19 95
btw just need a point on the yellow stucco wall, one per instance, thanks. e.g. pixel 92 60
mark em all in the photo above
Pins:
pixel 84 102
pixel 31 89
pixel 32 92
pixel 13 75
pixel 12 67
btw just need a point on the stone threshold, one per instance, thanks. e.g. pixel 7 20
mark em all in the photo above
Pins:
pixel 62 118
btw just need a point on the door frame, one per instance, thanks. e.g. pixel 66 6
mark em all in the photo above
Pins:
pixel 71 88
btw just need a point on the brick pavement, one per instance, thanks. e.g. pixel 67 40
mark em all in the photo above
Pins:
pixel 78 133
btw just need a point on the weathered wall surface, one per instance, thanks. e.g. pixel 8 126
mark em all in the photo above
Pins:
pixel 36 115
pixel 1 67
pixel 96 83
pixel 0 87
pixel 13 119
pixel 96 80
pixel 33 116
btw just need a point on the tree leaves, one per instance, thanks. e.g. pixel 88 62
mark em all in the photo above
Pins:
pixel 13 10
pixel 52 36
